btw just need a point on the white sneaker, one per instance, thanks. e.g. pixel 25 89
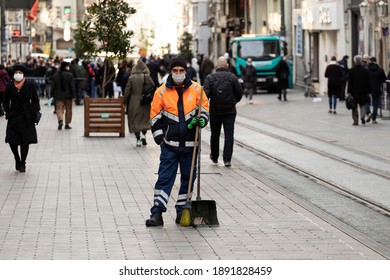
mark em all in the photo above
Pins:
pixel 250 101
pixel 143 140
pixel 139 143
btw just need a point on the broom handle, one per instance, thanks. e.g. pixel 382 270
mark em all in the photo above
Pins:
pixel 194 151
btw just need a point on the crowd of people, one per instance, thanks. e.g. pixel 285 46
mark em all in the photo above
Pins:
pixel 365 82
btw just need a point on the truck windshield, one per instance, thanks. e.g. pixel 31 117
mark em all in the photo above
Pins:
pixel 259 49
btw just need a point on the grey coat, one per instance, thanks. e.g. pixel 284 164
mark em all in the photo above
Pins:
pixel 138 116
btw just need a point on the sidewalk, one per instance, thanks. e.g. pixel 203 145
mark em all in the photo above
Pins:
pixel 88 198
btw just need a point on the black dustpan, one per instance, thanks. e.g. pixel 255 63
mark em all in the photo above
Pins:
pixel 203 212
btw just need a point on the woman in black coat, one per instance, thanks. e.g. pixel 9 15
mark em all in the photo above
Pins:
pixel 20 101
pixel 282 73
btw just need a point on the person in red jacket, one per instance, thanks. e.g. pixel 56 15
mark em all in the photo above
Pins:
pixel 4 78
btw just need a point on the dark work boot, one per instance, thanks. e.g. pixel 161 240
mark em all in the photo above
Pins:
pixel 60 124
pixel 155 221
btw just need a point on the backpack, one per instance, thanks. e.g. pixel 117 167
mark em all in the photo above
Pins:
pixel 147 93
pixel 222 94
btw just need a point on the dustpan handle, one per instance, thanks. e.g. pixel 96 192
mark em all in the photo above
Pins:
pixel 198 167
pixel 195 146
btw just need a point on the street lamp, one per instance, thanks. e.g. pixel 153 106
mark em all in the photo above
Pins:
pixel 363 8
pixel 381 8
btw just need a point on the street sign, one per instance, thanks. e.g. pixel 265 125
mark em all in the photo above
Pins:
pixel 20 39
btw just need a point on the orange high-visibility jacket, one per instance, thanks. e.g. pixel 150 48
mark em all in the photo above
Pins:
pixel 172 110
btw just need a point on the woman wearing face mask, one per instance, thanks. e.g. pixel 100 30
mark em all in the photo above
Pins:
pixel 137 114
pixel 19 94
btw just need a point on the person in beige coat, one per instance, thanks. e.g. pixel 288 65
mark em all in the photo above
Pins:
pixel 137 115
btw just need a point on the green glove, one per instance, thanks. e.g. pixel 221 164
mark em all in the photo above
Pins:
pixel 201 122
pixel 192 123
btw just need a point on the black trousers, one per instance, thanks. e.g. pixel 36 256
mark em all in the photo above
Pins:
pixel 216 123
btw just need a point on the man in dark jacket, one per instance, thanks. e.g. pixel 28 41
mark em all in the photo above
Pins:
pixel 344 65
pixel 377 78
pixel 64 91
pixel 224 91
pixel 249 77
pixel 334 74
pixel 359 88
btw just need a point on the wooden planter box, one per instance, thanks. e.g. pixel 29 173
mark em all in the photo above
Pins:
pixel 104 115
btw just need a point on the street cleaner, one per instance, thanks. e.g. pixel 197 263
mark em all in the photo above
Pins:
pixel 173 118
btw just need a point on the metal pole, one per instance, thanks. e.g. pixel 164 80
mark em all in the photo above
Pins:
pixel 2 37
pixel 282 23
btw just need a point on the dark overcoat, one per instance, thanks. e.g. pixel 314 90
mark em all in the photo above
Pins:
pixel 21 127
pixel 359 84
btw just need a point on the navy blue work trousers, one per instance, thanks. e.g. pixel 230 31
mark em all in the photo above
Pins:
pixel 170 160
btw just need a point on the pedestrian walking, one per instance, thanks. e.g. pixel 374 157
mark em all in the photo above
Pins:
pixel 249 77
pixel 377 78
pixel 64 91
pixel 206 68
pixel 173 117
pixel 138 115
pixel 4 78
pixel 21 101
pixel 282 73
pixel 191 73
pixel 224 91
pixel 365 62
pixel 92 80
pixel 334 73
pixel 359 88
pixel 107 88
pixel 344 65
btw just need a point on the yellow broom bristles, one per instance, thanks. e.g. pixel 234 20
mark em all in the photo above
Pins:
pixel 185 220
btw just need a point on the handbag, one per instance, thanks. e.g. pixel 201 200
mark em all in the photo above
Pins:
pixel 147 93
pixel 350 102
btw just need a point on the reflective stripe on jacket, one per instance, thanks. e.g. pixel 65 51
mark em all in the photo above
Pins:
pixel 171 112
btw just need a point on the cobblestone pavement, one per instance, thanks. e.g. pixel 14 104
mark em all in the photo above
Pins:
pixel 88 198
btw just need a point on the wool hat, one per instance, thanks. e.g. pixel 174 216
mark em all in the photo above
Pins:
pixel 178 61
pixel 64 64
pixel 19 67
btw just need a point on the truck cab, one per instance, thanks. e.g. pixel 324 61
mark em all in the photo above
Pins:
pixel 265 52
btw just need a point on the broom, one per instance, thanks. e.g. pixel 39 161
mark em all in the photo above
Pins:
pixel 185 220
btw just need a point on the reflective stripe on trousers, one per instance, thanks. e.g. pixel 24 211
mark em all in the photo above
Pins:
pixel 169 162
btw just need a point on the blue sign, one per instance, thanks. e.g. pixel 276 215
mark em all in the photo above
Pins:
pixel 299 37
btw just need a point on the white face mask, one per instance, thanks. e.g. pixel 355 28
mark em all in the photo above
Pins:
pixel 18 77
pixel 178 78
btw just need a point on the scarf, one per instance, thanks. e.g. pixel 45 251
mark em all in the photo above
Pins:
pixel 20 84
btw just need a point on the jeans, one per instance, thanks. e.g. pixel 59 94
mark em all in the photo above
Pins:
pixel 248 92
pixel 332 101
pixel 367 106
pixel 216 123
pixel 93 89
pixel 169 162
pixel 375 105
